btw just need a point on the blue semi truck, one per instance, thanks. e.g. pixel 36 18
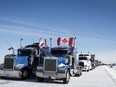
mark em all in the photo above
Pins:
pixel 60 65
pixel 24 63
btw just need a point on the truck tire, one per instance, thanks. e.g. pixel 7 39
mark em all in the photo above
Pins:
pixel 25 74
pixel 77 74
pixel 87 70
pixel 39 79
pixel 66 80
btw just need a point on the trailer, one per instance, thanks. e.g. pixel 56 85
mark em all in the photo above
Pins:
pixel 93 61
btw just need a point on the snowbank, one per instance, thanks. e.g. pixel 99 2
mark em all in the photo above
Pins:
pixel 111 72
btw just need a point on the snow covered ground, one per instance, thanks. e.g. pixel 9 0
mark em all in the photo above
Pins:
pixel 111 72
pixel 95 78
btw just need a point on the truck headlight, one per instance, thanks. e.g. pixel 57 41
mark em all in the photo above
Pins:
pixel 85 66
pixel 39 67
pixel 61 68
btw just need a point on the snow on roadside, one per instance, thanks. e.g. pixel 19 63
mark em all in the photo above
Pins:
pixel 111 72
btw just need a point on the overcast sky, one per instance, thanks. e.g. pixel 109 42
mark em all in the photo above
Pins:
pixel 93 22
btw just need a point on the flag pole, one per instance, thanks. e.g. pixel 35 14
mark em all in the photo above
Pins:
pixel 39 50
pixel 74 41
pixel 39 46
pixel 21 43
pixel 50 46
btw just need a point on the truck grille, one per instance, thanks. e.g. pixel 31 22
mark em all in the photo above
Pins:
pixel 8 63
pixel 81 64
pixel 50 65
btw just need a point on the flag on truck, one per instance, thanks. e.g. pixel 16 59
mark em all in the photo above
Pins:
pixel 65 41
pixel 42 44
pixel 11 48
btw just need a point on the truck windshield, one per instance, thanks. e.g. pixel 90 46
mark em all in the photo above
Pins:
pixel 24 52
pixel 59 52
pixel 82 58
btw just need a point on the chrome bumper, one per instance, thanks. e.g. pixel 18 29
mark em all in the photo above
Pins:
pixel 51 75
pixel 85 68
pixel 10 73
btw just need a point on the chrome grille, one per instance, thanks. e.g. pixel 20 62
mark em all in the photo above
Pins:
pixel 50 65
pixel 9 63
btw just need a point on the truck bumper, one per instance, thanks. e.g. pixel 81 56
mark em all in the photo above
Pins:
pixel 11 74
pixel 51 75
pixel 85 68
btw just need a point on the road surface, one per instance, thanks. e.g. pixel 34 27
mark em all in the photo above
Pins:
pixel 95 78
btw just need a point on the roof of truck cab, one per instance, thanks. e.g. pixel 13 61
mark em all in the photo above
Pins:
pixel 61 48
pixel 32 45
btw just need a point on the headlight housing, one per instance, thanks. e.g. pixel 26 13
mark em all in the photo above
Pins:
pixel 61 69
pixel 40 68
pixel 85 66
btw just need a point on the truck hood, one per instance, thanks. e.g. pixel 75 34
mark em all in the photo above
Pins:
pixel 21 61
pixel 61 60
pixel 84 61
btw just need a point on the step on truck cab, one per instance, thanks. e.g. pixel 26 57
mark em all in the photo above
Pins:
pixel 23 64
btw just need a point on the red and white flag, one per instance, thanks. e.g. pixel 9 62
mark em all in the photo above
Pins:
pixel 71 41
pixel 42 44
pixel 11 48
pixel 65 41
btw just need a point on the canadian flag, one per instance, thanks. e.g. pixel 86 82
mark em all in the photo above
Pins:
pixel 65 41
pixel 42 44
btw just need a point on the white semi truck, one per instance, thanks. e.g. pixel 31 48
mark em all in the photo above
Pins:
pixel 85 61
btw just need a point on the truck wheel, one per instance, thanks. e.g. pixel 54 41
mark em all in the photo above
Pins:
pixel 66 80
pixel 25 74
pixel 2 77
pixel 77 74
pixel 88 69
pixel 40 79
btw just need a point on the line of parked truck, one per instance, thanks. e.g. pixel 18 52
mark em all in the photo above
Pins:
pixel 59 62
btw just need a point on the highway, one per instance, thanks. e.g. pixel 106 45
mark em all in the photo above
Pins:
pixel 94 78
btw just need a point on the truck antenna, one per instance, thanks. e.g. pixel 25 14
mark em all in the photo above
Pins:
pixel 21 43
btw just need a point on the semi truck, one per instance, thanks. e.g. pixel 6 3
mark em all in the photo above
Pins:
pixel 85 62
pixel 24 63
pixel 59 65
pixel 93 63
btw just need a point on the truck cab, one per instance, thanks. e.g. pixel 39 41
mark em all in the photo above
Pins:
pixel 23 64
pixel 59 65
pixel 85 61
